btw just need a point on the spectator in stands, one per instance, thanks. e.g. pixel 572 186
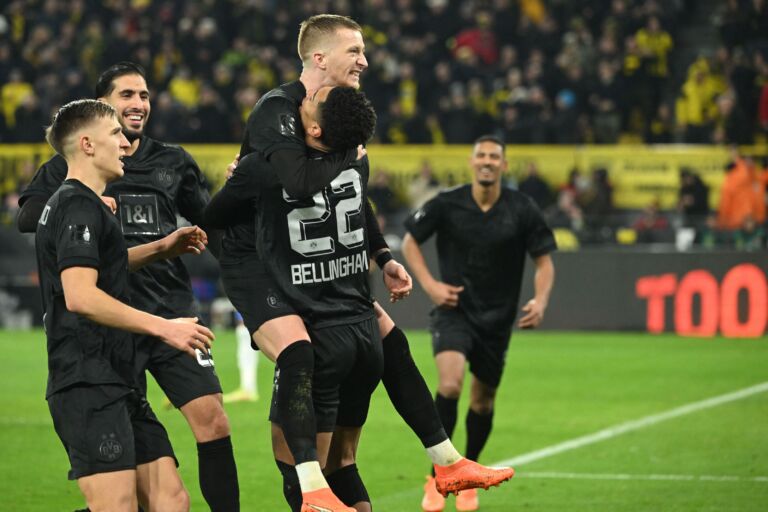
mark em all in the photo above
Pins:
pixel 738 198
pixel 13 93
pixel 423 187
pixel 535 187
pixel 661 128
pixel 605 102
pixel 30 120
pixel 655 44
pixel 597 200
pixel 693 199
pixel 381 193
pixel 750 237
pixel 695 109
pixel 732 127
pixel 651 224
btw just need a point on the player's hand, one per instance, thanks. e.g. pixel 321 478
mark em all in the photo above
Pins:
pixel 443 294
pixel 397 280
pixel 231 167
pixel 186 240
pixel 361 152
pixel 187 335
pixel 534 314
pixel 110 202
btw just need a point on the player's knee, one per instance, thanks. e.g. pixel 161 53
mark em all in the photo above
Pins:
pixel 450 388
pixel 174 500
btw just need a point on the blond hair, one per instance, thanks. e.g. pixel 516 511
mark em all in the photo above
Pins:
pixel 316 28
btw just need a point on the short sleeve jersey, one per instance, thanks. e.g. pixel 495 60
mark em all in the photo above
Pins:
pixel 315 248
pixel 161 181
pixel 483 251
pixel 77 230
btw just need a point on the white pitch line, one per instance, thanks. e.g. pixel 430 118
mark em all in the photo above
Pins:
pixel 629 426
pixel 622 476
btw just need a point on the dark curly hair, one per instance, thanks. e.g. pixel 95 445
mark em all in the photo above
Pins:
pixel 106 83
pixel 347 119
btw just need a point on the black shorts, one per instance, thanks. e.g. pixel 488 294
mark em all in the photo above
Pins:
pixel 182 378
pixel 107 428
pixel 486 352
pixel 254 293
pixel 349 362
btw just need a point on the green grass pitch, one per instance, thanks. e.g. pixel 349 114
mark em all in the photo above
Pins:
pixel 557 387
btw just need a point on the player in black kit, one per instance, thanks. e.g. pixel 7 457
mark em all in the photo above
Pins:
pixel 116 446
pixel 484 231
pixel 160 182
pixel 332 52
pixel 317 261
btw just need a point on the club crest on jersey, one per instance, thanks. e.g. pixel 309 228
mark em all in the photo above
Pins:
pixel 273 300
pixel 110 448
pixel 287 125
pixel 79 233
pixel 164 177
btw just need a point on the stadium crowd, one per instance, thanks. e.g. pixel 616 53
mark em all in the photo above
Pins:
pixel 532 71
pixel 538 71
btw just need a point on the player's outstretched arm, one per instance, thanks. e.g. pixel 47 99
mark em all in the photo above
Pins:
pixel 543 280
pixel 83 297
pixel 442 294
pixel 186 240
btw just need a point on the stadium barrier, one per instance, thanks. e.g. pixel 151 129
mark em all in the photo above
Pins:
pixel 639 174
pixel 688 293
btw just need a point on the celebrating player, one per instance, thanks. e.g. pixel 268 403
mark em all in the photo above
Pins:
pixel 160 182
pixel 479 227
pixel 116 445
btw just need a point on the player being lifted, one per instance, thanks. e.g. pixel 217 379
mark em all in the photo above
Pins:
pixel 332 52
pixel 318 262
pixel 116 446
pixel 161 181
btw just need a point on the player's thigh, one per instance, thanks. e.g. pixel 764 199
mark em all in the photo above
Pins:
pixel 386 324
pixel 94 425
pixel 108 492
pixel 273 336
pixel 182 378
pixel 159 486
pixel 271 321
pixel 150 437
pixel 488 357
pixel 206 417
pixel 452 342
pixel 357 387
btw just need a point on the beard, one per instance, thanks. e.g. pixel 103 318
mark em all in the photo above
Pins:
pixel 132 135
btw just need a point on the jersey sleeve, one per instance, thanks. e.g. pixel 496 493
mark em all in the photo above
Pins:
pixel 77 232
pixel 423 223
pixel 539 239
pixel 234 202
pixel 275 125
pixel 46 181
pixel 193 193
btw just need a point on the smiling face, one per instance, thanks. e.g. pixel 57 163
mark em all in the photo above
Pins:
pixel 344 58
pixel 488 163
pixel 130 97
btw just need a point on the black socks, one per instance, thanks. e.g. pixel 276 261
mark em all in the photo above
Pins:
pixel 408 392
pixel 294 400
pixel 291 487
pixel 218 475
pixel 447 408
pixel 478 430
pixel 347 485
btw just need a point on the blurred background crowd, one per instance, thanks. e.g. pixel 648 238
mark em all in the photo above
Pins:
pixel 531 71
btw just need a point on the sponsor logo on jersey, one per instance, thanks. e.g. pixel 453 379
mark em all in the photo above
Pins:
pixel 110 448
pixel 324 271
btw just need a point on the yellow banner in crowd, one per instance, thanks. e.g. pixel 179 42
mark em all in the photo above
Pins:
pixel 639 174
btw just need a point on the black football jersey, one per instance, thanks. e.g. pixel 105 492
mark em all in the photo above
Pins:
pixel 274 122
pixel 316 248
pixel 161 181
pixel 77 230
pixel 483 251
